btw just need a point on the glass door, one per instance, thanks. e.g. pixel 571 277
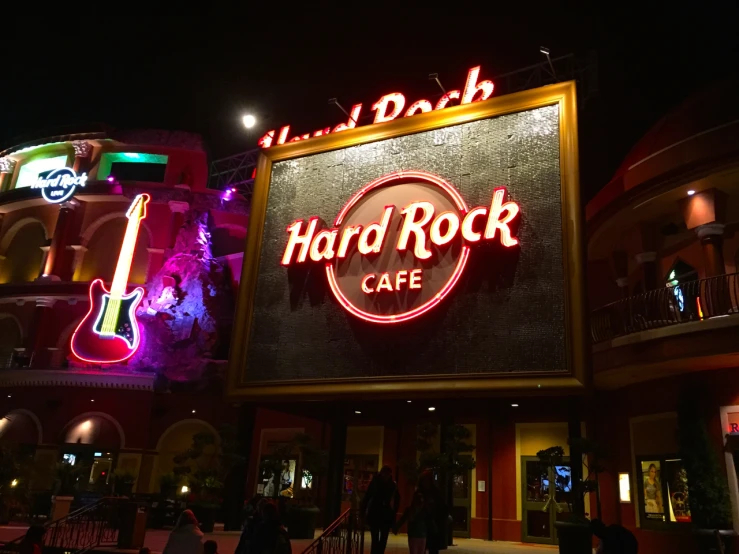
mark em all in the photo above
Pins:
pixel 540 509
pixel 462 505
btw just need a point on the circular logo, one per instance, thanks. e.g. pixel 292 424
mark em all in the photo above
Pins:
pixel 406 250
pixel 60 184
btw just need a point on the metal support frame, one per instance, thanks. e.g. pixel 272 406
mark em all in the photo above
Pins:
pixel 234 172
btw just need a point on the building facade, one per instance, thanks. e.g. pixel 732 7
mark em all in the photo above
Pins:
pixel 67 206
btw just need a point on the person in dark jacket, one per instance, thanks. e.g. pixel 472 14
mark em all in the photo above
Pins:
pixel 253 519
pixel 33 542
pixel 614 539
pixel 270 537
pixel 379 507
pixel 433 499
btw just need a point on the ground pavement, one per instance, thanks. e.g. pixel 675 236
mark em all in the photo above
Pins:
pixel 227 541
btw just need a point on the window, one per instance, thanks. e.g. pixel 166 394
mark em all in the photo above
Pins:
pixel 663 491
pixel 31 171
pixel 132 166
pixel 684 301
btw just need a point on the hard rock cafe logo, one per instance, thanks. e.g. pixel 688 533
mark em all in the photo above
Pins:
pixel 59 185
pixel 400 244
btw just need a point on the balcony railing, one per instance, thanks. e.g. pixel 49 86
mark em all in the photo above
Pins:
pixel 682 303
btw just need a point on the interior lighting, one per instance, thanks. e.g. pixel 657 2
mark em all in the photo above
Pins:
pixel 185 489
pixel 431 409
pixel 514 405
pixel 357 412
pixel 409 401
pixel 193 411
pixel 249 121
pixel 691 192
pixel 14 483
pixel 10 396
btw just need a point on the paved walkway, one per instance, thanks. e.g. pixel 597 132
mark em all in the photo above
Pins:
pixel 227 541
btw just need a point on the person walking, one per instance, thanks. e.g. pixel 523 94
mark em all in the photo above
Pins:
pixel 379 508
pixel 270 537
pixel 33 541
pixel 433 500
pixel 419 522
pixel 186 537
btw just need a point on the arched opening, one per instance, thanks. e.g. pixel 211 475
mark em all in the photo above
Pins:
pixel 176 440
pixel 104 247
pixel 23 254
pixel 227 239
pixel 20 427
pixel 11 337
pixel 92 441
pixel 685 299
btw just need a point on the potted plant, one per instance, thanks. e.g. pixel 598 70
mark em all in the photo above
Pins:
pixel 168 485
pixel 301 513
pixel 207 489
pixel 573 531
pixel 708 490
pixel 123 481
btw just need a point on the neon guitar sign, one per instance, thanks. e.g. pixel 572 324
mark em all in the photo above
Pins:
pixel 109 333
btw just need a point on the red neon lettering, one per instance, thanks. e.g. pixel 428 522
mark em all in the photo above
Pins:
pixel 365 279
pixel 329 237
pixel 416 279
pixel 283 134
pixel 410 225
pixel 469 220
pixel 346 237
pixel 420 106
pixel 322 132
pixel 296 238
pixel 495 222
pixel 296 138
pixel 452 227
pixel 471 88
pixel 384 283
pixel 379 229
pixel 353 118
pixel 400 278
pixel 381 107
pixel 444 100
pixel 266 140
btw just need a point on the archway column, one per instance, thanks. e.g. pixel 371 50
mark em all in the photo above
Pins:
pixel 711 236
pixel 55 255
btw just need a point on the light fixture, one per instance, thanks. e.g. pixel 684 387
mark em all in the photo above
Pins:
pixel 249 121
pixel 409 401
pixel 110 178
pixel 431 408
pixel 185 489
pixel 691 192
pixel 14 483
pixel 357 412
pixel 514 405
pixel 10 396
pixel 544 50
pixel 193 411
pixel 92 400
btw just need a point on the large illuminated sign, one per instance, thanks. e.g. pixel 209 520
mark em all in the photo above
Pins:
pixel 390 107
pixel 60 184
pixel 109 333
pixel 400 244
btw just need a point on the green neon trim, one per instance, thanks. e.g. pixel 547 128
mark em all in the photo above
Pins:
pixel 109 158
pixel 28 173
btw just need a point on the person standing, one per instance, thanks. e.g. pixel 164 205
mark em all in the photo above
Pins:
pixel 270 537
pixel 186 537
pixel 436 538
pixel 379 507
pixel 419 524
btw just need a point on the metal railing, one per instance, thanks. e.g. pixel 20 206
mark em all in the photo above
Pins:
pixel 88 527
pixel 682 303
pixel 343 536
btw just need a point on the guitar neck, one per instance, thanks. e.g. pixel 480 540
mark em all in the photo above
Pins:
pixel 125 259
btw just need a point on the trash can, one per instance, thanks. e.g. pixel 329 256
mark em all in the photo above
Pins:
pixel 132 530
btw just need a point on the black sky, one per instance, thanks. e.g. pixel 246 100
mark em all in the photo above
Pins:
pixel 201 73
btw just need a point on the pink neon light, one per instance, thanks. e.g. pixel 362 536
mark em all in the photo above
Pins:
pixel 444 100
pixel 405 316
pixel 419 106
pixel 405 175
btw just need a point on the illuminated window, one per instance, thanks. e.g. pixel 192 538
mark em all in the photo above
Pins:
pixel 684 300
pixel 31 171
pixel 624 487
pixel 132 166
pixel 663 492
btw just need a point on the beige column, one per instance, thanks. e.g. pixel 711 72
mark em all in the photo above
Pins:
pixel 82 151
pixel 79 257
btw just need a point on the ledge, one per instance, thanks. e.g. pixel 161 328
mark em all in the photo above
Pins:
pixel 76 378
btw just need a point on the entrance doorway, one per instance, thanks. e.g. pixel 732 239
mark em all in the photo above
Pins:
pixel 96 466
pixel 462 503
pixel 539 484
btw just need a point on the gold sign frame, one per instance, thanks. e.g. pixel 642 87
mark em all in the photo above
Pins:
pixel 575 381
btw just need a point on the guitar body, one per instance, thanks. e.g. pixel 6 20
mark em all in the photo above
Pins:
pixel 89 345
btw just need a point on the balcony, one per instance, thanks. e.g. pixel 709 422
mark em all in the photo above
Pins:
pixel 677 329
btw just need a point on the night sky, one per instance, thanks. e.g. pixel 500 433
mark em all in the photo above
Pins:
pixel 202 73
